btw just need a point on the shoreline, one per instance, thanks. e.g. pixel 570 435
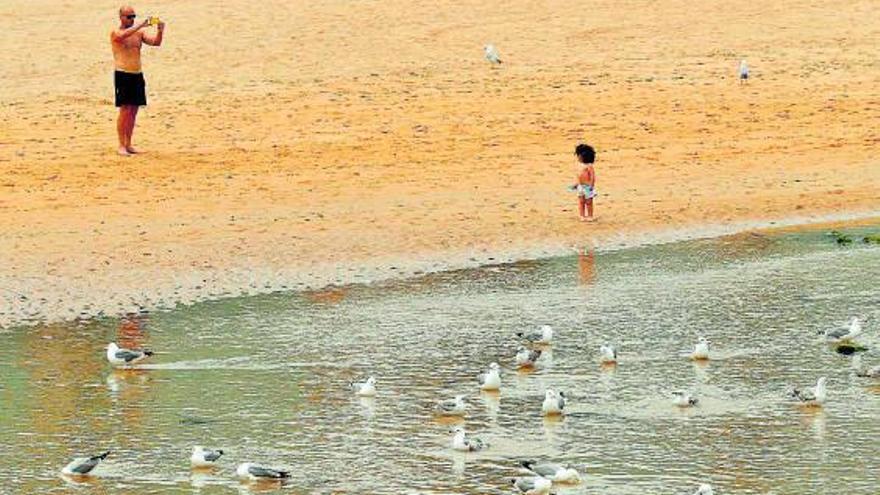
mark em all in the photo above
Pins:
pixel 242 283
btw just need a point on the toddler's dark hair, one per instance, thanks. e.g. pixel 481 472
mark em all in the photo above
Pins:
pixel 585 153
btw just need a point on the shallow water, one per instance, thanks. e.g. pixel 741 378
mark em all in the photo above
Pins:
pixel 265 378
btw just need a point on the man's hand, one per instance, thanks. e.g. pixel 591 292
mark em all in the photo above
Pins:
pixel 144 23
pixel 161 25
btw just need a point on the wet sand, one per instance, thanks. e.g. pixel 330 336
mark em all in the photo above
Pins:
pixel 299 145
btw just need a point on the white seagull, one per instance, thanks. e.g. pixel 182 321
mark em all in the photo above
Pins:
pixel 490 380
pixel 543 336
pixel 870 372
pixel 684 399
pixel 254 472
pixel 364 389
pixel 607 354
pixel 202 457
pixel 554 403
pixel 845 334
pixel 704 489
pixel 463 443
pixel 743 71
pixel 125 357
pixel 553 472
pixel 451 407
pixel 813 397
pixel 526 358
pixel 701 350
pixel 491 54
pixel 532 485
pixel 82 466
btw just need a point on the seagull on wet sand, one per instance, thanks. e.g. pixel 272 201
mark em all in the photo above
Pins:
pixel 543 336
pixel 607 354
pixel 366 388
pixel 813 397
pixel 255 472
pixel 684 399
pixel 532 485
pixel 704 489
pixel 526 358
pixel 202 457
pixel 554 403
pixel 82 466
pixel 743 71
pixel 556 473
pixel 873 372
pixel 451 407
pixel 490 380
pixel 125 357
pixel 463 443
pixel 845 334
pixel 491 54
pixel 701 350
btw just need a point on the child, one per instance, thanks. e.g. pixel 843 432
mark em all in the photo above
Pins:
pixel 586 181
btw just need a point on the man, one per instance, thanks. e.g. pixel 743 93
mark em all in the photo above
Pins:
pixel 126 41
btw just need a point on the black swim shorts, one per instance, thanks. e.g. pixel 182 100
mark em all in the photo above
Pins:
pixel 130 88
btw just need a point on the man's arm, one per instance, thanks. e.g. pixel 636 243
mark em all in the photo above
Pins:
pixel 155 39
pixel 121 35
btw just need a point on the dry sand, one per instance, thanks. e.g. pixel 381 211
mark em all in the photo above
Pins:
pixel 294 144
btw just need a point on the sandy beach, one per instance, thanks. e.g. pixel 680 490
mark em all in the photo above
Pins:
pixel 292 145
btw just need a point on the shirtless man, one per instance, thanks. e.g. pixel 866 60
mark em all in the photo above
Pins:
pixel 126 41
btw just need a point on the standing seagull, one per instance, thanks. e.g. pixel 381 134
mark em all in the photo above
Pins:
pixel 543 336
pixel 532 485
pixel 364 389
pixel 201 457
pixel 255 472
pixel 451 407
pixel 743 71
pixel 554 403
pixel 845 334
pixel 491 54
pixel 125 357
pixel 701 350
pixel 814 397
pixel 873 372
pixel 81 466
pixel 684 399
pixel 490 380
pixel 553 472
pixel 463 443
pixel 608 354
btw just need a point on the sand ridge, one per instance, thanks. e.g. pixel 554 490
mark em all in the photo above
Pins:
pixel 301 144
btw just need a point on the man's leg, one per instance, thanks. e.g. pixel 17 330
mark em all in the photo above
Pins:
pixel 122 129
pixel 132 119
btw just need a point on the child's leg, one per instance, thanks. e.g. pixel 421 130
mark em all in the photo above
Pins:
pixel 581 204
pixel 589 208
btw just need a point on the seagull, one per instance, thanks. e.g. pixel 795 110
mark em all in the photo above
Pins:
pixel 364 389
pixel 490 380
pixel 813 397
pixel 554 403
pixel 845 334
pixel 491 54
pixel 608 354
pixel 543 336
pixel 701 350
pixel 81 466
pixel 870 373
pixel 125 357
pixel 256 472
pixel 526 358
pixel 553 472
pixel 532 485
pixel 684 399
pixel 451 407
pixel 464 443
pixel 204 458
pixel 743 71
pixel 704 489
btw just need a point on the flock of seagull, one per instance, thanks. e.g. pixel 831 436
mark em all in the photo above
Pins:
pixel 542 475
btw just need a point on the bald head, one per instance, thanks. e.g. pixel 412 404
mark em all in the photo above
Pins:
pixel 126 15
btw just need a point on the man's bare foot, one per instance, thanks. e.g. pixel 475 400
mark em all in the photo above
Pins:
pixel 123 151
pixel 583 219
pixel 132 150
